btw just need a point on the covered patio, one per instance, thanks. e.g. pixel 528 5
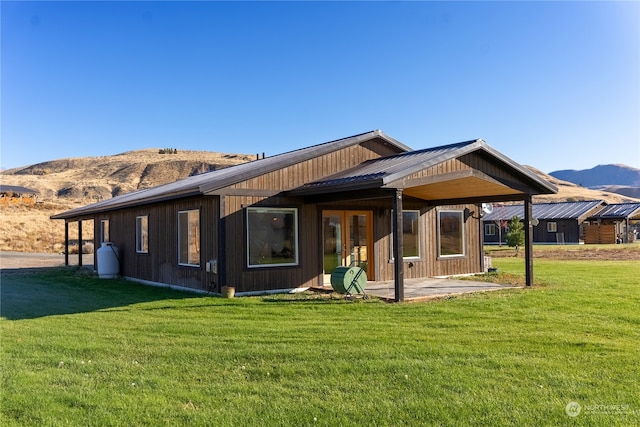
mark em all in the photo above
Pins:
pixel 469 172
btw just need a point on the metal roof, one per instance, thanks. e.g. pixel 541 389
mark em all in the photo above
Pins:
pixel 385 171
pixel 546 211
pixel 619 211
pixel 16 189
pixel 211 181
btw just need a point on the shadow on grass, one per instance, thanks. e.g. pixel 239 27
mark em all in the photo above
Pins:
pixel 39 292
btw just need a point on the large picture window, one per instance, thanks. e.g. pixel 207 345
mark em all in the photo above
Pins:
pixel 410 235
pixel 142 234
pixel 272 237
pixel 189 237
pixel 450 233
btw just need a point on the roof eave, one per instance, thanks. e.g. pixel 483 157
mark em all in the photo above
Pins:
pixel 93 209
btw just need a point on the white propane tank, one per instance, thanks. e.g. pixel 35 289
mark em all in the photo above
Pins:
pixel 108 261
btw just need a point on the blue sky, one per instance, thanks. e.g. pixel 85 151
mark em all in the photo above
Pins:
pixel 555 85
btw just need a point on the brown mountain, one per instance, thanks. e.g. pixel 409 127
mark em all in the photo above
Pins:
pixel 88 179
pixel 68 183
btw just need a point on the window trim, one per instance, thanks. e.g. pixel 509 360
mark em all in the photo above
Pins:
pixel 489 226
pixel 188 211
pixel 296 235
pixel 552 227
pixel 141 248
pixel 460 212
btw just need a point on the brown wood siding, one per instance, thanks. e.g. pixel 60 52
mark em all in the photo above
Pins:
pixel 160 264
pixel 466 163
pixel 600 234
pixel 308 271
pixel 429 264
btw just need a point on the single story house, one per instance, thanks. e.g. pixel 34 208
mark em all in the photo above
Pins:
pixel 287 221
pixel 616 223
pixel 559 222
pixel 17 195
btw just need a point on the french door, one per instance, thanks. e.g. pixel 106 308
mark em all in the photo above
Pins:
pixel 347 240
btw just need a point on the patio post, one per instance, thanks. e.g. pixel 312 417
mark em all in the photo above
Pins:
pixel 398 255
pixel 66 243
pixel 80 243
pixel 528 240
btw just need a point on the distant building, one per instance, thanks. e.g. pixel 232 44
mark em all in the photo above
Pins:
pixel 557 223
pixel 616 223
pixel 16 195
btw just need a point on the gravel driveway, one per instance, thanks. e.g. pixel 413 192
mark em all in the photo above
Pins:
pixel 15 260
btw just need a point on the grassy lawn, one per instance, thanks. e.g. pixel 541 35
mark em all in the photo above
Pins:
pixel 77 350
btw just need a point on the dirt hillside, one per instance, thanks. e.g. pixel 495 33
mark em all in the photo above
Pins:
pixel 68 183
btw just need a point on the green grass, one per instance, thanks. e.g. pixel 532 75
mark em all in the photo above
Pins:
pixel 77 350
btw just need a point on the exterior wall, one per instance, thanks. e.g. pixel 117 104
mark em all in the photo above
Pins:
pixel 568 227
pixel 307 273
pixel 600 234
pixel 160 264
pixel 429 264
pixel 568 231
pixel 17 199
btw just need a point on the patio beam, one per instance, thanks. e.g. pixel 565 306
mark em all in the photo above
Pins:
pixel 398 255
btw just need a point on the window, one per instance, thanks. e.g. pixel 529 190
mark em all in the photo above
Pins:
pixel 189 238
pixel 552 227
pixel 104 230
pixel 410 234
pixel 489 229
pixel 142 234
pixel 272 236
pixel 450 233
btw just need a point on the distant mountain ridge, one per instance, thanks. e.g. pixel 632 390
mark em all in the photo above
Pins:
pixel 601 175
pixel 621 179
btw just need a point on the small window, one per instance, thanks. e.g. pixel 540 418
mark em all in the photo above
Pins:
pixel 410 235
pixel 189 238
pixel 272 236
pixel 142 234
pixel 450 233
pixel 489 229
pixel 552 227
pixel 104 230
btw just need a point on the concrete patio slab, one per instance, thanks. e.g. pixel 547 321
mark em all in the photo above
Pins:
pixel 430 288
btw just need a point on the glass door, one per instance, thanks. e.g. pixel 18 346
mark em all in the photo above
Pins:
pixel 347 240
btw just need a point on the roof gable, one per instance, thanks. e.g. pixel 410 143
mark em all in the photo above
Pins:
pixel 396 171
pixel 619 211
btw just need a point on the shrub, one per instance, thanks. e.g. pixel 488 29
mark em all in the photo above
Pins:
pixel 515 233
